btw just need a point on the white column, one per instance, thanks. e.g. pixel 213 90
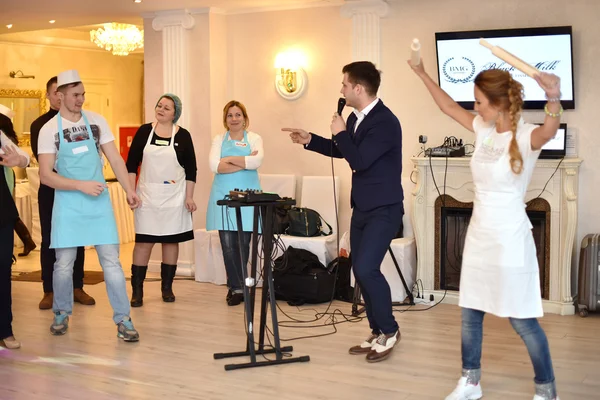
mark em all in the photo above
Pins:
pixel 175 27
pixel 366 36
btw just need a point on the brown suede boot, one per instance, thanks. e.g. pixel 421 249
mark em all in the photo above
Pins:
pixel 46 302
pixel 10 343
pixel 82 297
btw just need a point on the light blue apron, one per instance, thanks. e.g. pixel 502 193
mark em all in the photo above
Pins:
pixel 79 219
pixel 222 217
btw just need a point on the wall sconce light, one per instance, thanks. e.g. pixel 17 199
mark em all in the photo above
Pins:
pixel 290 77
pixel 19 74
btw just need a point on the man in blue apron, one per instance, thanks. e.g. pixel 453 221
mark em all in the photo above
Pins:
pixel 71 143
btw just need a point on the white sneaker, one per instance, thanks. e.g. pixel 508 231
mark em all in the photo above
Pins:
pixel 465 391
pixel 536 397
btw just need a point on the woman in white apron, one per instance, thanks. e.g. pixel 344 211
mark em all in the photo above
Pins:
pixel 166 189
pixel 234 158
pixel 499 272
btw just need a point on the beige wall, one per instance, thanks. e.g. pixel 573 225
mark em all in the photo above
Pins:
pixel 153 69
pixel 253 40
pixel 123 75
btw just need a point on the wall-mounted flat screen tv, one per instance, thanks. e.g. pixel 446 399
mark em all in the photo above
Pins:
pixel 460 58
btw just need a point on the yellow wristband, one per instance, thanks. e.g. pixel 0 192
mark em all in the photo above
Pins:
pixel 553 115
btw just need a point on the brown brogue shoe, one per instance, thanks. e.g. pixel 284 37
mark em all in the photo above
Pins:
pixel 364 347
pixel 82 297
pixel 383 346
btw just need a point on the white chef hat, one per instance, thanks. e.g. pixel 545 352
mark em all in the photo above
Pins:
pixel 66 77
pixel 7 111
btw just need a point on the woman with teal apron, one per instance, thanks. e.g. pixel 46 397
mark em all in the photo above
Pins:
pixel 235 157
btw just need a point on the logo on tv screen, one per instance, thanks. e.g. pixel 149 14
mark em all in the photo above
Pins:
pixel 458 70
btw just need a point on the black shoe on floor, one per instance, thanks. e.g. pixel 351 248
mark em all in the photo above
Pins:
pixel 234 298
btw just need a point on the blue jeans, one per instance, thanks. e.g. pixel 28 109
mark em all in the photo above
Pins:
pixel 113 275
pixel 530 331
pixel 231 256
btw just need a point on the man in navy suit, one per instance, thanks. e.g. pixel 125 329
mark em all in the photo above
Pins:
pixel 371 142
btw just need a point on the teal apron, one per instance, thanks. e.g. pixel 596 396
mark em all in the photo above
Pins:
pixel 223 218
pixel 79 219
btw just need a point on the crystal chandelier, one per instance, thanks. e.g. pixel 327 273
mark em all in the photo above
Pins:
pixel 121 39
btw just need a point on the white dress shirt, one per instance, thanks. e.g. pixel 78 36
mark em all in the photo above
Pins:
pixel 360 115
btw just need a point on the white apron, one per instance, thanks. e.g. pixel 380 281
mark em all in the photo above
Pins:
pixel 499 272
pixel 162 189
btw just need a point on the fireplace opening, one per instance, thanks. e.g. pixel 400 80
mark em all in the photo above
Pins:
pixel 452 220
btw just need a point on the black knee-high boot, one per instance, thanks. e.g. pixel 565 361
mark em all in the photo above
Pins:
pixel 138 274
pixel 167 273
pixel 25 237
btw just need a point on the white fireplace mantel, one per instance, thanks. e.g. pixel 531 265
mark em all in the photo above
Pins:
pixel 561 192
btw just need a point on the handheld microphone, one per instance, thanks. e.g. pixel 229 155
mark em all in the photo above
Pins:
pixel 341 105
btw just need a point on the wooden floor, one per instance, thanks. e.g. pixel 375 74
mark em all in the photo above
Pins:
pixel 174 358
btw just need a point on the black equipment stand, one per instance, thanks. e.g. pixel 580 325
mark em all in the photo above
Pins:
pixel 356 300
pixel 267 211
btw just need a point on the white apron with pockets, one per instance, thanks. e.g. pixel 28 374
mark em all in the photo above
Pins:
pixel 79 219
pixel 221 217
pixel 500 273
pixel 162 189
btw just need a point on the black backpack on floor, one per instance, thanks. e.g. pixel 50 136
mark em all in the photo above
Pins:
pixel 299 277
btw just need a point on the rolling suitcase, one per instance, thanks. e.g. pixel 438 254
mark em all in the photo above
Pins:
pixel 589 269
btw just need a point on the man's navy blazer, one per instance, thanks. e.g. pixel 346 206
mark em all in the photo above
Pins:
pixel 374 153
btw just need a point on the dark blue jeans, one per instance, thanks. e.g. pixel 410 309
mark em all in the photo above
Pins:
pixel 530 331
pixel 6 251
pixel 232 259
pixel 371 233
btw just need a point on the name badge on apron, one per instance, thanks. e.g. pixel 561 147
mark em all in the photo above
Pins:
pixel 80 149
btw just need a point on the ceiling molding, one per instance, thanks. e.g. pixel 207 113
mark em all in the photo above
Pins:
pixel 318 4
pixel 207 10
pixel 34 17
pixel 250 10
pixel 25 39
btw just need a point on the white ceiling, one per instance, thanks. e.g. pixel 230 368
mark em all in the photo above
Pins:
pixel 30 15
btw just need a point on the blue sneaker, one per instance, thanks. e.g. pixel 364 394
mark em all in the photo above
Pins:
pixel 60 324
pixel 126 331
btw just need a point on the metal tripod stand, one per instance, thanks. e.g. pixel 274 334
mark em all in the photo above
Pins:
pixel 357 295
